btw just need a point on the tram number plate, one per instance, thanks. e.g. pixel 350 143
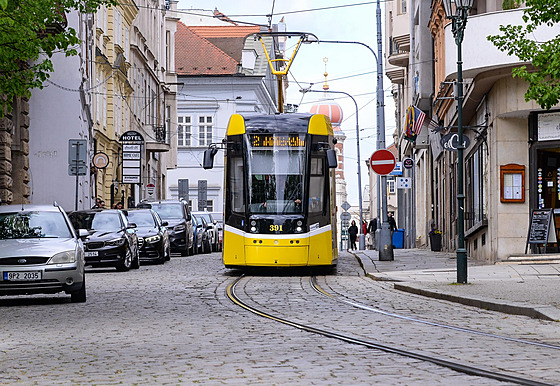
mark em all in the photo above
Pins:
pixel 22 276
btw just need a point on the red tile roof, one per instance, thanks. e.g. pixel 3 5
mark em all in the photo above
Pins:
pixel 195 55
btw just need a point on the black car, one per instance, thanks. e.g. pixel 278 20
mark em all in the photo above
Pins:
pixel 112 240
pixel 153 238
pixel 180 228
pixel 201 235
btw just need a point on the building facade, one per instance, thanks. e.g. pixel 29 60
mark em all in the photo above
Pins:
pixel 510 162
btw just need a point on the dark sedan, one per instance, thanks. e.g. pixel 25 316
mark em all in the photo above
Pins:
pixel 112 240
pixel 153 238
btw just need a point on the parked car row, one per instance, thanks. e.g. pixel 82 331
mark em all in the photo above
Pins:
pixel 44 250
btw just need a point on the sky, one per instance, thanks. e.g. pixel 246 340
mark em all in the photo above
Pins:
pixel 351 68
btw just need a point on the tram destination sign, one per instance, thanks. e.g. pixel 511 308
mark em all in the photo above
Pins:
pixel 271 140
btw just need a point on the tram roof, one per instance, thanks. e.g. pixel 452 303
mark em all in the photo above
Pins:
pixel 317 124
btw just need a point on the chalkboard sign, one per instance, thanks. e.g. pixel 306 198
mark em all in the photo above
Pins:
pixel 541 228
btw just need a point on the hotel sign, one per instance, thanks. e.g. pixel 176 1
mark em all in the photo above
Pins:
pixel 132 143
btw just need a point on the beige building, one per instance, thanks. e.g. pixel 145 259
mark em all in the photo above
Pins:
pixel 134 57
pixel 511 164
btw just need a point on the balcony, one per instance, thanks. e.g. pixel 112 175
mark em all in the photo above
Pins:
pixel 395 74
pixel 398 55
pixel 158 143
pixel 480 55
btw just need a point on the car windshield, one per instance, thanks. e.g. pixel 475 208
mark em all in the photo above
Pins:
pixel 99 221
pixel 169 210
pixel 33 224
pixel 141 219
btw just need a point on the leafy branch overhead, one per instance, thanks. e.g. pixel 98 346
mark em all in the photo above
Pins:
pixel 31 31
pixel 544 74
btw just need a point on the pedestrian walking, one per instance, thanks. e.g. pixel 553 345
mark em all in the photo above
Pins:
pixel 353 233
pixel 119 205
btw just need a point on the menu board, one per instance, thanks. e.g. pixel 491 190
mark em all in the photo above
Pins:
pixel 541 228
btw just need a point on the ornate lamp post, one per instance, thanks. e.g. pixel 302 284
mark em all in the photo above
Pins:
pixel 457 11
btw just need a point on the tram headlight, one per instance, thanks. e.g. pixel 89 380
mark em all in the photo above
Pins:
pixel 254 229
pixel 253 223
pixel 299 229
pixel 299 223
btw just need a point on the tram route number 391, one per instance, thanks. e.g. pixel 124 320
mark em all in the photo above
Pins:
pixel 275 228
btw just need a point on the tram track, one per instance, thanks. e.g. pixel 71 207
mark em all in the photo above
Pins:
pixel 320 290
pixel 456 366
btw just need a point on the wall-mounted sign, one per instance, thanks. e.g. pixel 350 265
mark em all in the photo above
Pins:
pixel 450 141
pixel 408 163
pixel 100 160
pixel 397 171
pixel 132 142
pixel 548 127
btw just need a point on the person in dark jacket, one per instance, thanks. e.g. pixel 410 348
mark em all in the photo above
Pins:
pixel 353 233
pixel 392 223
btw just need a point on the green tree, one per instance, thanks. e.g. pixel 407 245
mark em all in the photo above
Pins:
pixel 544 74
pixel 28 38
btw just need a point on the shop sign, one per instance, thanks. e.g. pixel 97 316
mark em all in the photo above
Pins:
pixel 450 141
pixel 549 127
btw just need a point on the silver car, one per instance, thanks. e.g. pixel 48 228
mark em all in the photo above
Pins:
pixel 40 252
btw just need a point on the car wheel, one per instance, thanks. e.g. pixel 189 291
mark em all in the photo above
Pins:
pixel 80 295
pixel 127 261
pixel 136 262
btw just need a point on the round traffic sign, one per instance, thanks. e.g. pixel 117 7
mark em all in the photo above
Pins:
pixel 345 216
pixel 408 163
pixel 382 162
pixel 150 188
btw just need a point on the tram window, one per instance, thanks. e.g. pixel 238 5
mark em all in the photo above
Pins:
pixel 236 184
pixel 276 180
pixel 316 186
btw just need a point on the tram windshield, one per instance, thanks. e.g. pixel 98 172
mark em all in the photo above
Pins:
pixel 276 183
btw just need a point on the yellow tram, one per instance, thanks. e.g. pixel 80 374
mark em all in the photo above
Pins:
pixel 279 191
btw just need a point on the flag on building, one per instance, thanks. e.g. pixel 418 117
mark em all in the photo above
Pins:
pixel 414 122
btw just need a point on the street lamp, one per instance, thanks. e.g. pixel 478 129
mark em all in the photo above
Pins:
pixel 457 11
pixel 362 236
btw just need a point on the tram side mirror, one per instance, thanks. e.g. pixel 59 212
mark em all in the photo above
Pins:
pixel 208 162
pixel 331 158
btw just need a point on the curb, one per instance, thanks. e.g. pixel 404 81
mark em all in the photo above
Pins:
pixel 536 312
pixel 533 311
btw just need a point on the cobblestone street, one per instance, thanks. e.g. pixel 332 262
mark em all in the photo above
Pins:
pixel 173 324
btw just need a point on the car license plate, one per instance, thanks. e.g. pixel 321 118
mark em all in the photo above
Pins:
pixel 22 276
pixel 92 254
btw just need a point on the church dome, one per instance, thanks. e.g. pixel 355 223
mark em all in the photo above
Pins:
pixel 329 108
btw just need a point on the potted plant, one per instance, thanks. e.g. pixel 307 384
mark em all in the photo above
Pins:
pixel 435 240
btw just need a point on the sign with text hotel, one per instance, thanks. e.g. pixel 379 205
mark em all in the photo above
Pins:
pixel 132 143
pixel 548 127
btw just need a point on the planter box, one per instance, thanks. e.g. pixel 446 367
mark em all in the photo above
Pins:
pixel 435 242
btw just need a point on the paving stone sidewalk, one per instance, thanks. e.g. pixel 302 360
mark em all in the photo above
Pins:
pixel 522 288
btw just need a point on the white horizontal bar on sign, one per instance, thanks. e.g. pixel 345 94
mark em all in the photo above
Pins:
pixel 131 148
pixel 131 171
pixel 382 162
pixel 131 179
pixel 131 164
pixel 131 155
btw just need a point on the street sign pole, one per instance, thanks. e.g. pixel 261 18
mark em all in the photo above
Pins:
pixel 383 162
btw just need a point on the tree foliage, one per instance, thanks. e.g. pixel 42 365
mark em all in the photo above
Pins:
pixel 544 78
pixel 28 41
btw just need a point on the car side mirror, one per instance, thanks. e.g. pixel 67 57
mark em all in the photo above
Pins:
pixel 131 226
pixel 164 224
pixel 83 233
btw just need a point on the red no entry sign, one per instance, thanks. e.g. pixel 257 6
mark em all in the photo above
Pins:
pixel 382 162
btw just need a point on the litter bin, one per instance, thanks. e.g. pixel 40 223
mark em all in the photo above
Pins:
pixel 398 238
